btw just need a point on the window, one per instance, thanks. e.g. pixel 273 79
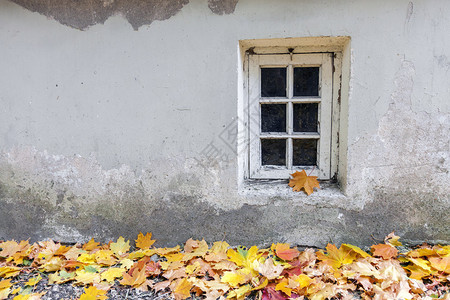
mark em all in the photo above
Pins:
pixel 290 114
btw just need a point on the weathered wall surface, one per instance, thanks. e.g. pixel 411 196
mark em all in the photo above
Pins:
pixel 85 13
pixel 103 130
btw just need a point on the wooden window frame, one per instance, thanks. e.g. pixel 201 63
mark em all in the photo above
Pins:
pixel 328 118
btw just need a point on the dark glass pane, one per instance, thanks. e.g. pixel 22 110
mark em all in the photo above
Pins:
pixel 306 81
pixel 273 117
pixel 273 152
pixel 305 117
pixel 305 152
pixel 273 82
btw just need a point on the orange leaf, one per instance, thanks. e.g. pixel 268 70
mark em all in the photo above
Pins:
pixel 138 278
pixel 144 242
pixel 91 245
pixel 384 250
pixel 302 181
pixel 284 252
pixel 441 264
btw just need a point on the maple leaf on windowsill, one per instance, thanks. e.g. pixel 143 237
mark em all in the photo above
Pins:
pixel 302 181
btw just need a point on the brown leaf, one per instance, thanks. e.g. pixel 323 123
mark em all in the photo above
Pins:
pixel 269 270
pixel 162 285
pixel 302 181
pixel 386 251
pixel 174 274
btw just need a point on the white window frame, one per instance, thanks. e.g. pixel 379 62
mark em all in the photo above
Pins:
pixel 326 146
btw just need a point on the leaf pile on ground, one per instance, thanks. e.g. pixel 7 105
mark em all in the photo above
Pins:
pixel 220 271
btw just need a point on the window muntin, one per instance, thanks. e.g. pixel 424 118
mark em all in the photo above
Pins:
pixel 290 98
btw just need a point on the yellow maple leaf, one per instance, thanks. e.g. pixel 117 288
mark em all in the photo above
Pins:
pixel 105 257
pixel 7 272
pixel 193 268
pixel 5 288
pixel 336 257
pixel 120 247
pixel 443 251
pixel 420 262
pixel 356 249
pixel 260 285
pixel 417 272
pixel 54 278
pixel 236 278
pixel 219 247
pixel 86 258
pixel 181 289
pixel 112 273
pixel 92 293
pixel 33 281
pixel 22 297
pixel 126 263
pixel 4 284
pixel 303 280
pixel 421 252
pixel 144 241
pixel 83 277
pixel 243 257
pixel 54 264
pixel 283 286
pixel 241 292
pixel 302 181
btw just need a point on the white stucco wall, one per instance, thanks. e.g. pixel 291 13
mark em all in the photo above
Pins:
pixel 118 117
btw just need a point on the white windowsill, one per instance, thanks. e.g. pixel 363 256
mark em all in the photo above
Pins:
pixel 261 192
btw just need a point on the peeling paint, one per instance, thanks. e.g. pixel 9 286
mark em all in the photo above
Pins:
pixel 85 13
pixel 221 7
pixel 410 150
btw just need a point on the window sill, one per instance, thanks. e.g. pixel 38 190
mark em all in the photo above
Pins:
pixel 262 192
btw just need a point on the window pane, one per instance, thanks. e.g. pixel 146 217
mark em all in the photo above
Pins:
pixel 273 152
pixel 273 82
pixel 305 152
pixel 306 81
pixel 305 117
pixel 273 117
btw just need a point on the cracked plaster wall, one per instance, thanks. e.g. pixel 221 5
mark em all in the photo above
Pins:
pixel 103 131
